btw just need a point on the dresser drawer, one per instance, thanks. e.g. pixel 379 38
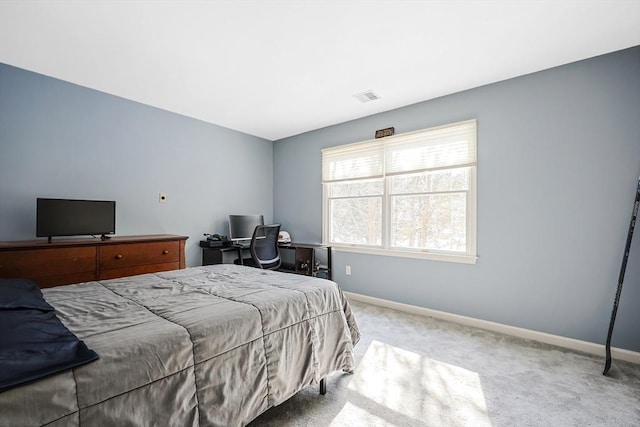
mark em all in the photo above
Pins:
pixel 138 254
pixel 50 267
pixel 113 273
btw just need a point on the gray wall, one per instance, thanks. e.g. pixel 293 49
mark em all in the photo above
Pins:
pixel 62 140
pixel 558 163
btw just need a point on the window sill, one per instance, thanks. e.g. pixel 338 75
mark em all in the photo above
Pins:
pixel 461 259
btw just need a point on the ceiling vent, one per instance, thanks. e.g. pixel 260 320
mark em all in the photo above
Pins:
pixel 367 96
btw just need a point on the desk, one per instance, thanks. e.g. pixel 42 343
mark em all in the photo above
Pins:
pixel 299 258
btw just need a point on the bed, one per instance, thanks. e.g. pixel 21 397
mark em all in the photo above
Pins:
pixel 203 346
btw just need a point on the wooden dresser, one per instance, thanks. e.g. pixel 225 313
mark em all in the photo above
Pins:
pixel 80 260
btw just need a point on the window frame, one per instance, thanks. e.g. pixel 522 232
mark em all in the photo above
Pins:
pixel 468 257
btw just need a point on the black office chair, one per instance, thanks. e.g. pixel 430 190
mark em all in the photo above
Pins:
pixel 264 249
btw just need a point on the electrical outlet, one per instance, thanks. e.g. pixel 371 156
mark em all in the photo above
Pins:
pixel 163 197
pixel 347 270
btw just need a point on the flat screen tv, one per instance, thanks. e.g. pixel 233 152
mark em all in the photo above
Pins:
pixel 68 217
pixel 241 227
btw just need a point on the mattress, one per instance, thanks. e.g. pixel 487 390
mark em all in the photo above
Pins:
pixel 204 346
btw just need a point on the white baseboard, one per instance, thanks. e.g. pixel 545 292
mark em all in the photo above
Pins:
pixel 557 340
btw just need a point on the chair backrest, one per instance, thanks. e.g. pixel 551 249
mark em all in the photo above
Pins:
pixel 264 246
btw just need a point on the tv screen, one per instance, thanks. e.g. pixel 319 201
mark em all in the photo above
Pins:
pixel 67 217
pixel 241 227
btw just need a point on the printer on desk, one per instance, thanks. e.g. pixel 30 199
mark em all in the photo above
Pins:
pixel 215 241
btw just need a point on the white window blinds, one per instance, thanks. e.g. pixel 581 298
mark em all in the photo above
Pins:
pixel 430 149
pixel 353 161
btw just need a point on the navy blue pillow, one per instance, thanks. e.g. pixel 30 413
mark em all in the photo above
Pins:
pixel 33 341
pixel 21 294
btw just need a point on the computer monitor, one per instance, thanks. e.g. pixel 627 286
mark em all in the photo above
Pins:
pixel 241 227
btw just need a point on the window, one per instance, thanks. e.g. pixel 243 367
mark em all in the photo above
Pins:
pixel 412 194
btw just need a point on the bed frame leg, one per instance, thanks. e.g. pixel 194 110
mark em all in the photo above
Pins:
pixel 323 386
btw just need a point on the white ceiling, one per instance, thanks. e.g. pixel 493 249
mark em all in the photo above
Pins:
pixel 280 68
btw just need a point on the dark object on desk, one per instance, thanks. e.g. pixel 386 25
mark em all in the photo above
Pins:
pixel 215 241
pixel 216 237
pixel 265 252
pixel 34 343
pixel 214 244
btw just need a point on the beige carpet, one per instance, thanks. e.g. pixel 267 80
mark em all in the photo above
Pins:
pixel 417 371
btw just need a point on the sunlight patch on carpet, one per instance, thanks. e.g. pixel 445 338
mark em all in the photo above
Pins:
pixel 352 415
pixel 395 384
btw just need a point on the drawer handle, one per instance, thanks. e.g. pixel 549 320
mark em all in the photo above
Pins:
pixel 118 256
pixel 165 252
